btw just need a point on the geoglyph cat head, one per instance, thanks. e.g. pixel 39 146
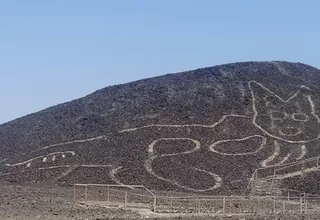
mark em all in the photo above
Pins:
pixel 292 120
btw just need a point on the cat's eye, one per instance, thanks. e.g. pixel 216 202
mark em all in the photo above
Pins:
pixel 300 117
pixel 277 115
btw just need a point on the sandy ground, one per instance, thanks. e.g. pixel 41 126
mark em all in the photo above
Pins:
pixel 34 202
pixel 53 203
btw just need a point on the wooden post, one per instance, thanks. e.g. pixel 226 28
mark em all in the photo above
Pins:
pixel 306 208
pixel 301 206
pixel 284 207
pixel 303 168
pixel 199 206
pixel 274 204
pixel 171 204
pixel 74 193
pixel 224 205
pixel 85 193
pixel 154 204
pixel 108 194
pixel 288 195
pixel 125 200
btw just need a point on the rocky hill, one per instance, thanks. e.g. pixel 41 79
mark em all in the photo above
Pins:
pixel 205 130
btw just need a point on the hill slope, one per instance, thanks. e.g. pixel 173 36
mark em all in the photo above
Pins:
pixel 205 130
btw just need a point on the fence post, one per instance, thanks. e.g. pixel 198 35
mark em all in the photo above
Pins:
pixel 274 204
pixel 303 168
pixel 74 193
pixel 284 207
pixel 199 206
pixel 125 200
pixel 224 205
pixel 288 195
pixel 171 204
pixel 108 194
pixel 301 205
pixel 85 193
pixel 306 208
pixel 317 162
pixel 155 204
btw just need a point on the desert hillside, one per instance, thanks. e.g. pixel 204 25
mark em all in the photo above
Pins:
pixel 204 131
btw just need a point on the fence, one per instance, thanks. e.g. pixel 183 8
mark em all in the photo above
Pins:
pixel 287 170
pixel 228 205
pixel 139 197
pixel 125 196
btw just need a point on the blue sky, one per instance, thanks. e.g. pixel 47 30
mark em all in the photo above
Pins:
pixel 56 51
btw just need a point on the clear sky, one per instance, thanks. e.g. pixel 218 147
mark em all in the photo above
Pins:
pixel 56 51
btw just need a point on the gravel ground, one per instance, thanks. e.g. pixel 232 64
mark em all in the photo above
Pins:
pixel 34 202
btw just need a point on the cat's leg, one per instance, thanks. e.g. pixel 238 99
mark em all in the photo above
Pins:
pixel 175 167
pixel 284 153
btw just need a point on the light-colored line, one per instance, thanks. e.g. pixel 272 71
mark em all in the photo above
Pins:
pixel 280 68
pixel 273 156
pixel 264 141
pixel 283 160
pixel 113 172
pixel 96 165
pixel 53 167
pixel 185 125
pixel 4 160
pixel 313 108
pixel 152 157
pixel 297 173
pixel 303 152
pixel 197 146
pixel 30 170
pixel 67 172
pixel 217 179
pixel 255 115
pixel 71 142
pixel 43 156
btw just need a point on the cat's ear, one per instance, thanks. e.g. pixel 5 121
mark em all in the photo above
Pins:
pixel 302 99
pixel 262 97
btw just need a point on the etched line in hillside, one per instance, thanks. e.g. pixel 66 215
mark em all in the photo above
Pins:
pixel 152 157
pixel 263 142
pixel 197 146
pixel 71 142
pixel 67 172
pixel 185 125
pixel 96 165
pixel 297 173
pixel 43 157
pixel 273 156
pixel 280 68
pixel 283 160
pixel 4 160
pixel 30 170
pixel 303 152
pixel 216 185
pixel 313 108
pixel 112 174
pixel 256 113
pixel 53 167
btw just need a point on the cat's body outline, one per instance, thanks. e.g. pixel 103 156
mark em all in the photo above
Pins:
pixel 267 135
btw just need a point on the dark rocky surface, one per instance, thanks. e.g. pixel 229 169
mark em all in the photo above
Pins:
pixel 205 130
